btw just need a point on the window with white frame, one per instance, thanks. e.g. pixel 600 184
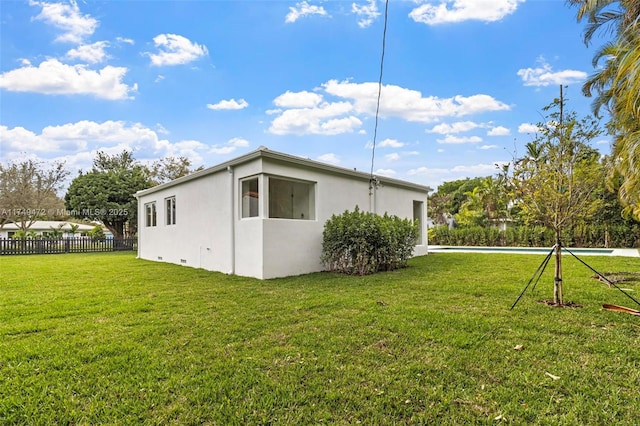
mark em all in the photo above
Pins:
pixel 170 210
pixel 250 198
pixel 150 214
pixel 291 199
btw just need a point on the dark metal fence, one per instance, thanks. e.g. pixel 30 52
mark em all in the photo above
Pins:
pixel 66 245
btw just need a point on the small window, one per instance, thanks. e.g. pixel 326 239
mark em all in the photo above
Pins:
pixel 250 198
pixel 289 199
pixel 150 214
pixel 170 204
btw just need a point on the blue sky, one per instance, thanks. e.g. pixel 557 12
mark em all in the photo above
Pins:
pixel 464 80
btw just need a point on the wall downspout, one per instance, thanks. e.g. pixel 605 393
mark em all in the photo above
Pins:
pixel 426 222
pixel 232 216
pixel 373 194
pixel 140 223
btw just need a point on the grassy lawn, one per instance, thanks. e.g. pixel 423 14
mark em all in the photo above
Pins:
pixel 109 339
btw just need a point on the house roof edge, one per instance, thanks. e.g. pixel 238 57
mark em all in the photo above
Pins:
pixel 264 152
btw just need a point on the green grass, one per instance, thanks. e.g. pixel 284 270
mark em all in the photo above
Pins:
pixel 109 339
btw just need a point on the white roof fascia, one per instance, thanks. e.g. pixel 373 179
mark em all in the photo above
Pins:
pixel 263 152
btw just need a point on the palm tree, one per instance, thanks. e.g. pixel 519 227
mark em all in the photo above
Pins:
pixel 56 233
pixel 617 87
pixel 74 229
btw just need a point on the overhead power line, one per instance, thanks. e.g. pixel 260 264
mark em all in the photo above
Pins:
pixel 375 127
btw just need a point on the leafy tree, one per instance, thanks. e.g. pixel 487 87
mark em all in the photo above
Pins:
pixel 561 184
pixel 106 193
pixel 28 191
pixel 170 168
pixel 472 210
pixel 438 207
pixel 616 85
pixel 449 197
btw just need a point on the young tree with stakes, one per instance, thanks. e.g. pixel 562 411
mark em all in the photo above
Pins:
pixel 559 184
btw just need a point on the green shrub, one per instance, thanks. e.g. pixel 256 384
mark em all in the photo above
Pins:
pixel 360 243
pixel 580 235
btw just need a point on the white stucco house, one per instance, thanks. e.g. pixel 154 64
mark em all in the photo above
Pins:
pixel 44 227
pixel 262 214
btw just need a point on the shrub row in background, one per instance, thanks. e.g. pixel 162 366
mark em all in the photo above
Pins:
pixel 621 236
pixel 361 243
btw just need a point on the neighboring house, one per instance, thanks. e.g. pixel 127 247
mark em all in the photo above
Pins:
pixel 43 228
pixel 262 214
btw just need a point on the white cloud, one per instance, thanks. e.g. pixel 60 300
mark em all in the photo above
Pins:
pixel 92 53
pixel 159 78
pixel 190 149
pixel 302 9
pixel 229 147
pixel 125 40
pixel 452 11
pixel 318 120
pixel 394 156
pixel 222 150
pixel 230 104
pixel 450 139
pixel 528 128
pixel 78 142
pixel 175 49
pixel 52 77
pixel 499 131
pixel 337 126
pixel 479 169
pixel 409 104
pixel 543 75
pixel 302 99
pixel 485 147
pixel 238 142
pixel 161 129
pixel 458 127
pixel 391 143
pixel 68 18
pixel 386 172
pixel 329 158
pixel 367 13
pixel 309 113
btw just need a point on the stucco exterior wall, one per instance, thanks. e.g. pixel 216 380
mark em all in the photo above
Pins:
pixel 200 237
pixel 293 247
pixel 248 244
pixel 211 233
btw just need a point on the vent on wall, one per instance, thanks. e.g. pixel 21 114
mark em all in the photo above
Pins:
pixel 183 260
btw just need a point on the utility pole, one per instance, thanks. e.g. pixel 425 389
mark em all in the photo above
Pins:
pixel 557 281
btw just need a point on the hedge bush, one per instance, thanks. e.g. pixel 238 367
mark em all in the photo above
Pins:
pixel 360 243
pixel 592 235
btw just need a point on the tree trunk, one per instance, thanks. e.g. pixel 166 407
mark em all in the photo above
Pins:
pixel 557 284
